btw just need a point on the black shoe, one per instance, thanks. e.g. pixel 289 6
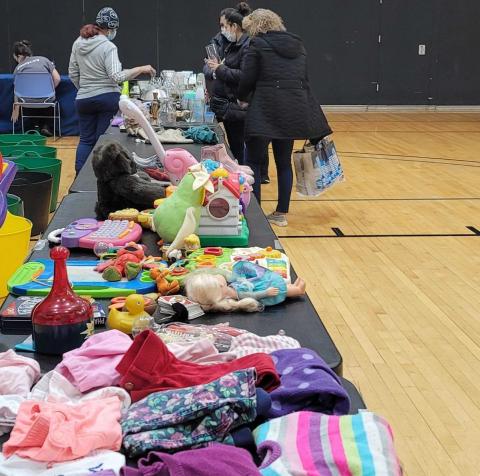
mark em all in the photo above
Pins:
pixel 46 132
pixel 265 180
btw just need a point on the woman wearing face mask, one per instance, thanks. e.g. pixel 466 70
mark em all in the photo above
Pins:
pixel 220 42
pixel 96 72
pixel 227 75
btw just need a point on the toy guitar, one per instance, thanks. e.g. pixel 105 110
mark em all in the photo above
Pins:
pixel 86 232
pixel 175 161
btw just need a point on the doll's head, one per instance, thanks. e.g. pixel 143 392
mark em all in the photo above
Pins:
pixel 210 290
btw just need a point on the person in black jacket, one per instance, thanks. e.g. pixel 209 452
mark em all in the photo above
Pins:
pixel 227 75
pixel 220 42
pixel 281 106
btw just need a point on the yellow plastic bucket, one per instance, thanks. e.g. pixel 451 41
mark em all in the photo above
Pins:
pixel 14 241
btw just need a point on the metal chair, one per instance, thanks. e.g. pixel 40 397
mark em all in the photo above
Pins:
pixel 36 91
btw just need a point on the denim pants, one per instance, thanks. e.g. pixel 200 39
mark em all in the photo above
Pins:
pixel 94 116
pixel 257 149
pixel 181 418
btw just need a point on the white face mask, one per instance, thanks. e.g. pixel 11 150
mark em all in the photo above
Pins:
pixel 229 36
pixel 111 34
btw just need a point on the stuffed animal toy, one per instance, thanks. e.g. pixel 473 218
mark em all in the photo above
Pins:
pixel 178 215
pixel 164 288
pixel 128 263
pixel 119 183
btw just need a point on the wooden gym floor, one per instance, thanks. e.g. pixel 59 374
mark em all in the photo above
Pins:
pixel 400 292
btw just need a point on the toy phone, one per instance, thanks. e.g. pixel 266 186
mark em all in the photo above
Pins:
pixel 35 278
pixel 86 232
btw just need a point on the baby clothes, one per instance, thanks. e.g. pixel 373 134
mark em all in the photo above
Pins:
pixel 307 384
pixel 96 463
pixel 178 419
pixel 54 387
pixel 149 367
pixel 17 375
pixel 252 280
pixel 308 443
pixel 93 364
pixel 214 460
pixel 201 351
pixel 249 343
pixel 55 432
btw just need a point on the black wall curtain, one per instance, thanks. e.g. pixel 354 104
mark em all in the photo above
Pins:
pixel 360 51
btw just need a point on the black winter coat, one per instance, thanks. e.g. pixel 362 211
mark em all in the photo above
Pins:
pixel 221 44
pixel 282 106
pixel 228 76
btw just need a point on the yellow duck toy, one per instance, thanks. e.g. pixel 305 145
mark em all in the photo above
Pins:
pixel 123 321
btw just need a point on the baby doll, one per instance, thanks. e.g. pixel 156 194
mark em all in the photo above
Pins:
pixel 119 183
pixel 248 288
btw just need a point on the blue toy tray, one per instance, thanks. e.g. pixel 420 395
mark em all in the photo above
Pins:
pixel 35 279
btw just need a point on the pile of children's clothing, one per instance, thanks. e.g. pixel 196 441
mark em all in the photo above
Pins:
pixel 265 407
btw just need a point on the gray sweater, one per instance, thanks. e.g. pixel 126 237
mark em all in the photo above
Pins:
pixel 95 68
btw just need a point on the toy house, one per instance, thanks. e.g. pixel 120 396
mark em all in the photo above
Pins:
pixel 221 215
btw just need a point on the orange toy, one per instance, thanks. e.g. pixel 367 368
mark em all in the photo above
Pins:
pixel 163 286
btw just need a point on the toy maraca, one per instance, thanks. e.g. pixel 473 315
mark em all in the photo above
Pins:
pixel 62 320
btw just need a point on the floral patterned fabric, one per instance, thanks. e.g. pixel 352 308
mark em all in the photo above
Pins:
pixel 182 418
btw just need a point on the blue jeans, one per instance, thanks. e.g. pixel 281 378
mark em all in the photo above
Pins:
pixel 257 150
pixel 94 116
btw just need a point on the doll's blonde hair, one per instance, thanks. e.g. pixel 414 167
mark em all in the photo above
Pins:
pixel 205 289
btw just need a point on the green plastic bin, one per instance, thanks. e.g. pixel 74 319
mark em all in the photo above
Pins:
pixel 42 164
pixel 27 146
pixel 15 205
pixel 33 136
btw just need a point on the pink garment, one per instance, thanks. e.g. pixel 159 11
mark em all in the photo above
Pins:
pixel 93 364
pixel 249 343
pixel 56 432
pixel 17 373
pixel 201 351
pixel 54 387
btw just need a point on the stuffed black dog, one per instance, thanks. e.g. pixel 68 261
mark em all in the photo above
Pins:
pixel 119 183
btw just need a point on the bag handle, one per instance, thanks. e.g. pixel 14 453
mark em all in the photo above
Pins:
pixel 33 132
pixel 29 153
pixel 26 142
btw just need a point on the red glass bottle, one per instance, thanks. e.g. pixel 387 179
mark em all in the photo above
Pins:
pixel 60 320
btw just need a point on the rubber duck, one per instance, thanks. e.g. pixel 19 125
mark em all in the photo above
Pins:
pixel 123 320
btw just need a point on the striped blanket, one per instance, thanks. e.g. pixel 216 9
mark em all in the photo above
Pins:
pixel 310 444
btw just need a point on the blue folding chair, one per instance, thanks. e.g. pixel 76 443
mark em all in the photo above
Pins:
pixel 36 91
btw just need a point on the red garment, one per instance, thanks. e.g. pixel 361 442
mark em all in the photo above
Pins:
pixel 148 366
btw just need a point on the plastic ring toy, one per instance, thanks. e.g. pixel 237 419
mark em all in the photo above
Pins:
pixel 179 271
pixel 206 264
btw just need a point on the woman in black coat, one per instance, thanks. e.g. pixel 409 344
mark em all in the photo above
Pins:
pixel 281 107
pixel 227 75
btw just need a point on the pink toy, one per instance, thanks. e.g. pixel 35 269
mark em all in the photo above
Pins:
pixel 86 232
pixel 219 153
pixel 175 161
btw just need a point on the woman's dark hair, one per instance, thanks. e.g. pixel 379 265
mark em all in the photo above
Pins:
pixel 87 31
pixel 236 15
pixel 22 48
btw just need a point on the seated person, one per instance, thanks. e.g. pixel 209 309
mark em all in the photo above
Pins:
pixel 27 63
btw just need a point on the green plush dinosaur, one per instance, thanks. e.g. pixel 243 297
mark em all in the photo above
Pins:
pixel 179 214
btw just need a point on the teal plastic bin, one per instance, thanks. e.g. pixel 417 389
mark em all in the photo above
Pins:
pixel 33 136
